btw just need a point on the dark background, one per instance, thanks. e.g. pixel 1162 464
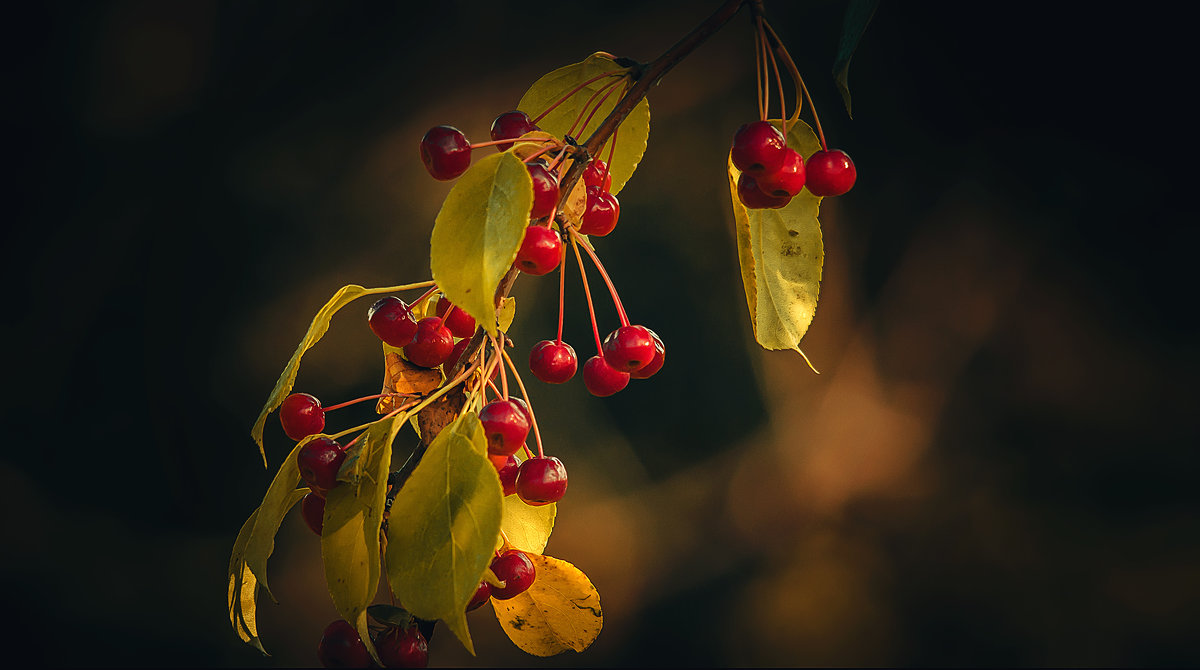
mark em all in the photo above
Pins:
pixel 997 465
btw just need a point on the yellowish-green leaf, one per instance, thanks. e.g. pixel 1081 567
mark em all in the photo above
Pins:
pixel 527 527
pixel 781 254
pixel 275 505
pixel 478 232
pixel 243 586
pixel 508 310
pixel 559 612
pixel 444 522
pixel 350 534
pixel 633 132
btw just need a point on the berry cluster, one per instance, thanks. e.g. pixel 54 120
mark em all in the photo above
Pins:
pixel 398 647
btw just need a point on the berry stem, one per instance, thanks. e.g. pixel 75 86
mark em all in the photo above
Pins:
pixel 761 56
pixel 492 143
pixel 425 296
pixel 562 290
pixel 534 156
pixel 587 292
pixel 612 150
pixel 368 424
pixel 795 72
pixel 779 80
pixel 612 290
pixel 762 112
pixel 574 91
pixel 358 400
pixel 537 434
pixel 402 287
pixel 498 347
pixel 607 90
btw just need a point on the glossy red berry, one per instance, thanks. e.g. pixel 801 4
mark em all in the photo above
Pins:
pixel 600 214
pixel 656 363
pixel 540 252
pixel 341 647
pixel 508 475
pixel 482 594
pixel 515 569
pixel 455 354
pixel 545 190
pixel 445 152
pixel 752 197
pixel 758 148
pixel 629 348
pixel 319 461
pixel 541 481
pixel 597 174
pixel 392 321
pixel 456 318
pixel 301 415
pixel 432 345
pixel 601 379
pixel 524 408
pixel 506 425
pixel 403 648
pixel 830 173
pixel 553 362
pixel 312 508
pixel 788 180
pixel 510 126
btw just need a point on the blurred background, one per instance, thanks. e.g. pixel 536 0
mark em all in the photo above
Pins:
pixel 997 464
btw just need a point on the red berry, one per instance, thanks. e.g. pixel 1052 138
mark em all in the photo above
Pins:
pixel 455 354
pixel 601 379
pixel 629 348
pixel 758 148
pixel 482 594
pixel 524 408
pixel 830 173
pixel 508 475
pixel 392 321
pixel 601 213
pixel 506 426
pixel 341 647
pixel 553 362
pixel 445 152
pixel 301 416
pixel 787 180
pixel 545 190
pixel 752 197
pixel 540 251
pixel 510 126
pixel 656 363
pixel 541 481
pixel 403 648
pixel 432 345
pixel 597 174
pixel 515 569
pixel 312 508
pixel 458 321
pixel 319 461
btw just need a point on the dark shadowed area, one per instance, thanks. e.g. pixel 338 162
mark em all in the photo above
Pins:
pixel 997 465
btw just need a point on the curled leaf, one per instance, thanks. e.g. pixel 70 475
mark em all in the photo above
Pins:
pixel 527 527
pixel 559 612
pixel 400 376
pixel 243 585
pixel 275 505
pixel 858 15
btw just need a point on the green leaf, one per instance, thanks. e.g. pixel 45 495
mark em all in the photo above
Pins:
pixel 633 132
pixel 274 507
pixel 781 254
pixel 527 527
pixel 353 516
pixel 858 15
pixel 243 586
pixel 443 527
pixel 478 232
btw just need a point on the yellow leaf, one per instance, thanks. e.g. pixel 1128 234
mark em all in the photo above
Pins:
pixel 478 232
pixel 559 612
pixel 527 527
pixel 400 376
pixel 442 527
pixel 243 586
pixel 508 310
pixel 781 254
pixel 275 505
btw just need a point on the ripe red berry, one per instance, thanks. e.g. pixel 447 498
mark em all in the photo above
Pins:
pixel 456 318
pixel 541 481
pixel 540 251
pixel 545 190
pixel 506 426
pixel 788 180
pixel 392 321
pixel 758 148
pixel 445 152
pixel 319 461
pixel 597 174
pixel 524 408
pixel 752 197
pixel 510 126
pixel 403 648
pixel 629 348
pixel 482 594
pixel 656 363
pixel 830 173
pixel 601 379
pixel 553 362
pixel 341 647
pixel 455 354
pixel 515 569
pixel 432 345
pixel 508 475
pixel 301 416
pixel 312 508
pixel 600 214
